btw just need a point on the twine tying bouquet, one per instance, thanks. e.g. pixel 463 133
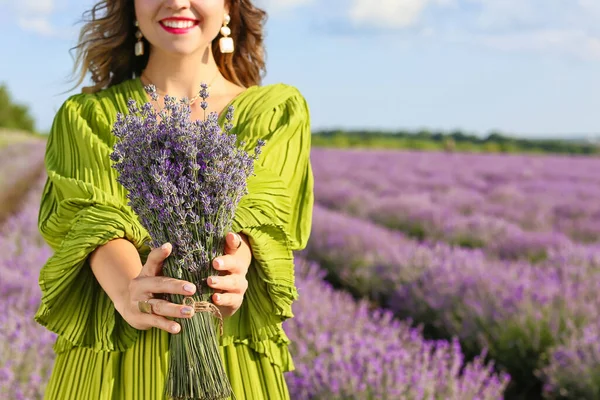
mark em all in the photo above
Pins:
pixel 185 179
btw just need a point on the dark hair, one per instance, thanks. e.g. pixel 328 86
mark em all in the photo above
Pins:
pixel 107 39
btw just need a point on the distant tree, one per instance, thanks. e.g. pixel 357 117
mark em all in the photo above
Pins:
pixel 460 136
pixel 12 115
pixel 423 134
pixel 495 136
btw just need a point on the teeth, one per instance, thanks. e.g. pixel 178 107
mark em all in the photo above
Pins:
pixel 178 24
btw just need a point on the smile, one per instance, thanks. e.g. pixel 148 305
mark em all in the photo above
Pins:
pixel 178 26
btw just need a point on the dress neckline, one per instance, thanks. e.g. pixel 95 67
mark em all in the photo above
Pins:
pixel 144 97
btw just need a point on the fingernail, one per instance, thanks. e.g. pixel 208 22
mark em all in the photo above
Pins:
pixel 175 328
pixel 186 311
pixel 217 298
pixel 218 263
pixel 165 246
pixel 214 280
pixel 188 287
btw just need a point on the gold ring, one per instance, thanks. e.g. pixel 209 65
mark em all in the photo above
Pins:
pixel 145 307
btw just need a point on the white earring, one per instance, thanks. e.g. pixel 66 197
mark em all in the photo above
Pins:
pixel 226 43
pixel 139 45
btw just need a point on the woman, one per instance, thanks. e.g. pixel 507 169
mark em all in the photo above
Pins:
pixel 97 288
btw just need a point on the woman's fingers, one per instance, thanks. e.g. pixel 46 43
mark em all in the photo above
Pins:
pixel 161 309
pixel 229 288
pixel 154 262
pixel 163 323
pixel 229 264
pixel 168 309
pixel 164 284
pixel 233 241
pixel 229 283
pixel 232 301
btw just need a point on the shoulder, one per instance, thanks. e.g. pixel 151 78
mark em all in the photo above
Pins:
pixel 280 94
pixel 279 91
pixel 271 103
pixel 276 113
pixel 77 109
pixel 97 110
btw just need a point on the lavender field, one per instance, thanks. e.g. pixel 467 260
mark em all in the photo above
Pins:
pixel 512 206
pixel 395 360
pixel 500 251
pixel 427 276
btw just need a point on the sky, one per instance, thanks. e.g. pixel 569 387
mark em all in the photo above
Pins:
pixel 526 68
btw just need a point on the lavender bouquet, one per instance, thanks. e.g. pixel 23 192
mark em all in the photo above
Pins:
pixel 185 179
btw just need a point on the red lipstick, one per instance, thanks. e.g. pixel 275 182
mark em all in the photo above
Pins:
pixel 178 25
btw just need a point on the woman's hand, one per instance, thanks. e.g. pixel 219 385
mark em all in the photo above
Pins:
pixel 230 287
pixel 231 284
pixel 149 281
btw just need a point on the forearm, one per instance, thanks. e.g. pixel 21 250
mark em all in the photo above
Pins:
pixel 115 264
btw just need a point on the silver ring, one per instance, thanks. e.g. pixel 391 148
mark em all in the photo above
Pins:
pixel 239 237
pixel 145 307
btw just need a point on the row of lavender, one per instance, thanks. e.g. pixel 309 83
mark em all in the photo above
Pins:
pixel 512 206
pixel 348 350
pixel 26 346
pixel 16 161
pixel 17 171
pixel 393 361
pixel 538 321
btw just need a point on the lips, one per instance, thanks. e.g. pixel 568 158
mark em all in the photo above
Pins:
pixel 178 25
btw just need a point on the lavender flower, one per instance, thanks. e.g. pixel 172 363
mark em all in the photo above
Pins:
pixel 350 351
pixel 185 179
pixel 573 370
pixel 25 346
pixel 514 207
pixel 517 310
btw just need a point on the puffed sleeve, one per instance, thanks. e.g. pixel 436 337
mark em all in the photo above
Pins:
pixel 82 207
pixel 276 214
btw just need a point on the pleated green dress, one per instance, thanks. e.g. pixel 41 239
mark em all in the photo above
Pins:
pixel 98 354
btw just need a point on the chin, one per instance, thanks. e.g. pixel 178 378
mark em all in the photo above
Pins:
pixel 182 49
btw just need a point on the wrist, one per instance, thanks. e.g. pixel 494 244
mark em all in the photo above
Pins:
pixel 120 301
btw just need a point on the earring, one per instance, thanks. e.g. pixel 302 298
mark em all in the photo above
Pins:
pixel 139 45
pixel 226 43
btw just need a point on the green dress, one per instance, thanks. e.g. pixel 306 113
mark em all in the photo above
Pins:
pixel 98 354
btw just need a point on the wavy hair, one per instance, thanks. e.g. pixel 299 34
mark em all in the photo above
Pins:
pixel 107 38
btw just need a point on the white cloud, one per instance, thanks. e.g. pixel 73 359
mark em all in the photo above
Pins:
pixel 39 25
pixel 386 13
pixel 564 26
pixel 36 7
pixel 592 6
pixel 547 26
pixel 36 15
pixel 574 42
pixel 500 14
pixel 391 13
pixel 280 5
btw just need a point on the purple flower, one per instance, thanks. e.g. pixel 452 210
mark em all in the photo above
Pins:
pixel 25 345
pixel 348 350
pixel 185 180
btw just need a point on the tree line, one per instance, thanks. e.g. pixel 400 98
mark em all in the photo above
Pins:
pixel 13 115
pixel 449 141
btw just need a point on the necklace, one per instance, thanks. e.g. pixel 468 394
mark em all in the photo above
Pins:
pixel 193 99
